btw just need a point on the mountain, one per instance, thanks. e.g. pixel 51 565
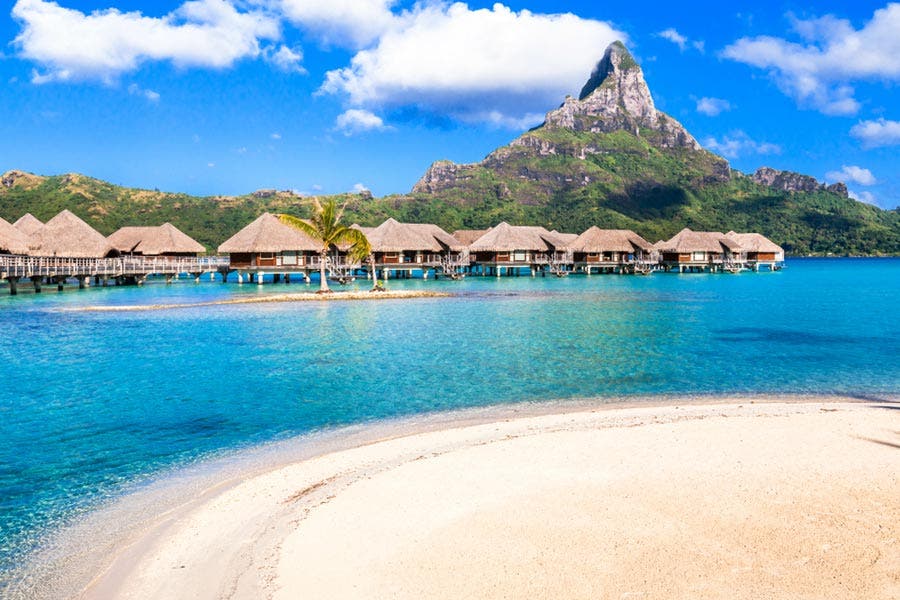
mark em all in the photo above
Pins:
pixel 610 158
pixel 607 158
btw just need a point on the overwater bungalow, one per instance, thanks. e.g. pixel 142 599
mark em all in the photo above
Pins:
pixel 12 241
pixel 510 248
pixel 690 251
pixel 165 240
pixel 610 251
pixel 66 235
pixel 467 236
pixel 758 250
pixel 406 247
pixel 28 224
pixel 269 246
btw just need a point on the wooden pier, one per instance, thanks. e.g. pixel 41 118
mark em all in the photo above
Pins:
pixel 131 269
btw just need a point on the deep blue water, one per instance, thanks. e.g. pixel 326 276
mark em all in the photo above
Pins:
pixel 92 403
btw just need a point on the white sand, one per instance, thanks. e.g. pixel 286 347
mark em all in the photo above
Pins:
pixel 718 501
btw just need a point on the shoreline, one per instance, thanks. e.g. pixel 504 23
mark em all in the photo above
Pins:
pixel 439 434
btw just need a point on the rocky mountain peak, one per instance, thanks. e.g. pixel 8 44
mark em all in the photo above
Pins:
pixel 616 98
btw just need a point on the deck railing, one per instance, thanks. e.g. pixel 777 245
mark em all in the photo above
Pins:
pixel 124 266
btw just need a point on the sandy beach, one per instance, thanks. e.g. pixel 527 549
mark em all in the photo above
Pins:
pixel 738 500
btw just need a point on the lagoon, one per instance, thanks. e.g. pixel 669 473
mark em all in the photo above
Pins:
pixel 98 404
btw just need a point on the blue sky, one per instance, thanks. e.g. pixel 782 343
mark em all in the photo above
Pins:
pixel 322 96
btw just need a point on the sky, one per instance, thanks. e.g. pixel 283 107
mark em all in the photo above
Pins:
pixel 224 97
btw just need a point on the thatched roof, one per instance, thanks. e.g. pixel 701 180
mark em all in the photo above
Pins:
pixel 67 235
pixel 754 242
pixel 12 241
pixel 268 234
pixel 154 241
pixel 609 240
pixel 28 224
pixel 467 236
pixel 567 238
pixel 392 236
pixel 505 237
pixel 698 241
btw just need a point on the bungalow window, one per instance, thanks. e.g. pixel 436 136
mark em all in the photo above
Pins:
pixel 289 257
pixel 699 255
pixel 266 256
pixel 518 256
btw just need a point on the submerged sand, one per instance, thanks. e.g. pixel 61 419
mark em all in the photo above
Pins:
pixel 750 500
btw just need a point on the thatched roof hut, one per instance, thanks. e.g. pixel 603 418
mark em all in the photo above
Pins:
pixel 28 224
pixel 596 240
pixel 68 236
pixel 393 236
pixel 698 241
pixel 268 234
pixel 155 241
pixel 506 238
pixel 467 236
pixel 755 242
pixel 12 241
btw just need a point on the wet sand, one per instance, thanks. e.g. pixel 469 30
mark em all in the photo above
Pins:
pixel 737 500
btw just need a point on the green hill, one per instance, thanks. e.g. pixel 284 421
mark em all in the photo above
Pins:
pixel 607 158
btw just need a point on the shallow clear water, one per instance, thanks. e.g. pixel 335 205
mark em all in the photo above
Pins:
pixel 94 403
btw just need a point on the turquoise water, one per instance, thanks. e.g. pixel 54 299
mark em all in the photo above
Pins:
pixel 94 403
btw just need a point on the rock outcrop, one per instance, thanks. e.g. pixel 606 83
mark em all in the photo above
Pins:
pixel 616 98
pixel 788 181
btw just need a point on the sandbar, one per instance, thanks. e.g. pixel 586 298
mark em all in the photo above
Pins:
pixel 725 500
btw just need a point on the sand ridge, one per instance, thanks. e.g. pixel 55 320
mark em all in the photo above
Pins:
pixel 715 501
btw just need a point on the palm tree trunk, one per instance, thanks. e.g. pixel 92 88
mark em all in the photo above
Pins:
pixel 323 284
pixel 374 274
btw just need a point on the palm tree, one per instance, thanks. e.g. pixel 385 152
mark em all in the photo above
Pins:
pixel 325 227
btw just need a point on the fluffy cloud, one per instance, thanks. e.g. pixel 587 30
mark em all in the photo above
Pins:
pixel 673 36
pixel 852 174
pixel 136 90
pixel 874 134
pixel 739 144
pixel 712 106
pixel 286 59
pixel 357 121
pixel 867 197
pixel 72 45
pixel 817 71
pixel 492 65
pixel 347 23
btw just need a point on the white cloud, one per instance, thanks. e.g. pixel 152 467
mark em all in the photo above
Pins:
pixel 72 45
pixel 673 36
pixel 818 72
pixel 360 188
pixel 712 106
pixel 852 174
pixel 135 90
pixel 275 136
pixel 348 23
pixel 357 120
pixel 211 165
pixel 286 59
pixel 874 134
pixel 867 197
pixel 739 144
pixel 492 65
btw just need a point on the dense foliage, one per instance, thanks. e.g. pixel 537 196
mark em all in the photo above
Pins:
pixel 630 184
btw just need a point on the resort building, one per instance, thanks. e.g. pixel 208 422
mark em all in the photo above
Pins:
pixel 28 224
pixel 402 248
pixel 269 246
pixel 758 250
pixel 166 240
pixel 467 236
pixel 510 248
pixel 12 241
pixel 699 251
pixel 66 235
pixel 610 251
